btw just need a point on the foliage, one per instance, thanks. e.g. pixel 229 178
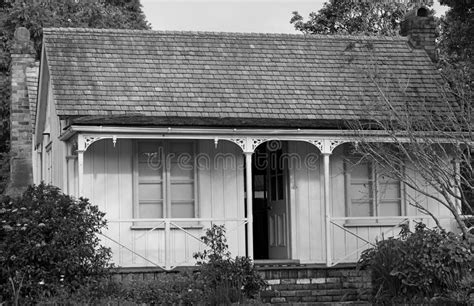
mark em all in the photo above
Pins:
pixel 49 242
pixel 428 141
pixel 166 289
pixel 457 31
pixel 456 46
pixel 35 15
pixel 4 169
pixel 4 129
pixel 101 292
pixel 353 17
pixel 441 155
pixel 226 280
pixel 220 280
pixel 428 265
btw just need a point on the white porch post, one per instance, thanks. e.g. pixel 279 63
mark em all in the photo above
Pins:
pixel 327 209
pixel 81 148
pixel 167 245
pixel 248 179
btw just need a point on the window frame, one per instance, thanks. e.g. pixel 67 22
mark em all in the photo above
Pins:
pixel 166 177
pixel 375 201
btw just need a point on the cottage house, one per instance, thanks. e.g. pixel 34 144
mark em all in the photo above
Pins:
pixel 170 132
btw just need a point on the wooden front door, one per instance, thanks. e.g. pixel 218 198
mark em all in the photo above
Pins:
pixel 278 244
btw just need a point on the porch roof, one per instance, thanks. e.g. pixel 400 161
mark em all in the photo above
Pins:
pixel 201 78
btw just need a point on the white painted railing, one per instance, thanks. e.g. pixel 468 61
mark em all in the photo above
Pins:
pixel 166 243
pixel 350 236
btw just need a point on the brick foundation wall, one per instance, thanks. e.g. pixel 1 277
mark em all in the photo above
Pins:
pixel 290 284
pixel 310 284
pixel 126 275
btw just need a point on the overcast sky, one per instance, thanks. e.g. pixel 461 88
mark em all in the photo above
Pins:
pixel 267 16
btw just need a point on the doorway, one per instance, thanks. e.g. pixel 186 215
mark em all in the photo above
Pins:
pixel 270 204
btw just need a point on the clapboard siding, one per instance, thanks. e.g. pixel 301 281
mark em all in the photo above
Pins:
pixel 308 208
pixel 58 154
pixel 108 183
pixel 221 188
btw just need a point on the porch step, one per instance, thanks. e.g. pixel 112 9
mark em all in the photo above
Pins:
pixel 299 284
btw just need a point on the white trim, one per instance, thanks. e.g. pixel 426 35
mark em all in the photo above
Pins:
pixel 64 161
pixel 249 203
pixel 37 139
pixel 49 163
pixel 291 187
pixel 217 134
pixel 231 132
pixel 327 203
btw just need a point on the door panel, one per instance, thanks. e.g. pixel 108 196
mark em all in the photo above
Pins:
pixel 277 215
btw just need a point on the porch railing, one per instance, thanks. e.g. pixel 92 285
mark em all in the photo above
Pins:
pixel 359 233
pixel 166 243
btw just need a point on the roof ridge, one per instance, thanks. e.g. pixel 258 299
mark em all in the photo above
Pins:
pixel 226 34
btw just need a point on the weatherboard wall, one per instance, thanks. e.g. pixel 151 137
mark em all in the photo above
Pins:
pixel 108 182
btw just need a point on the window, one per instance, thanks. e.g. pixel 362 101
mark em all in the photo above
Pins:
pixel 371 192
pixel 276 175
pixel 165 179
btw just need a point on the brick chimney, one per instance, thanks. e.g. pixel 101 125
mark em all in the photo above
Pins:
pixel 419 26
pixel 21 169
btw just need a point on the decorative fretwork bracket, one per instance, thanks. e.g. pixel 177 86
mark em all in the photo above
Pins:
pixel 248 144
pixel 88 140
pixel 326 146
pixel 84 141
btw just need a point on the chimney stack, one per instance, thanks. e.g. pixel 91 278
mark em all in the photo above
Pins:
pixel 420 28
pixel 21 169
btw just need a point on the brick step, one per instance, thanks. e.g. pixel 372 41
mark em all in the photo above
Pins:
pixel 300 284
pixel 331 295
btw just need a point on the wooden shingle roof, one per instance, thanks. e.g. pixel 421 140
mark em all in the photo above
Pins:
pixel 247 78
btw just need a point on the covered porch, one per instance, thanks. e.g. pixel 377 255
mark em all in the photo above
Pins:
pixel 294 212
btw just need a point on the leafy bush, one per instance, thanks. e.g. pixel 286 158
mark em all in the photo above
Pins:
pixel 166 289
pixel 226 280
pixel 49 243
pixel 427 265
pixel 101 292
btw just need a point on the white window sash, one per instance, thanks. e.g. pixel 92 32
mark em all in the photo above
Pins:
pixel 374 188
pixel 166 180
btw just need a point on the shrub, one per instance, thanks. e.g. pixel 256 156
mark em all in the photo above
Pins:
pixel 167 289
pixel 427 265
pixel 104 291
pixel 226 280
pixel 49 243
